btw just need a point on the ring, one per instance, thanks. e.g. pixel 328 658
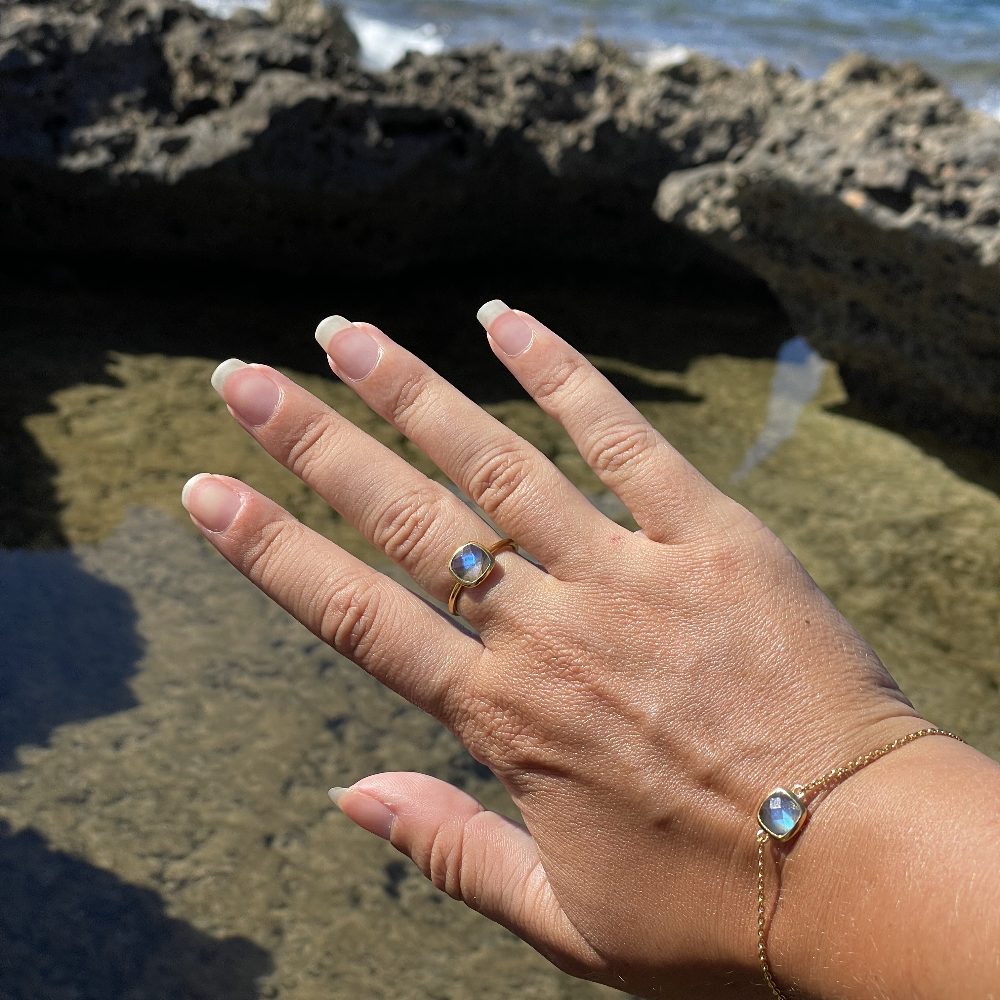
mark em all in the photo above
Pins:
pixel 471 564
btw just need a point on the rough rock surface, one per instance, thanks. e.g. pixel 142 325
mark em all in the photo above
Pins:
pixel 868 201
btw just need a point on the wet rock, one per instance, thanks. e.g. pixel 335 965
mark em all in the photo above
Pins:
pixel 867 201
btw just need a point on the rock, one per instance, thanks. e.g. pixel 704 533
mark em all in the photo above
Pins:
pixel 860 203
pixel 867 201
pixel 316 22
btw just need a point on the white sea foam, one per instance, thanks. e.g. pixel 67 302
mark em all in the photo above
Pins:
pixel 223 8
pixel 663 58
pixel 383 44
pixel 991 104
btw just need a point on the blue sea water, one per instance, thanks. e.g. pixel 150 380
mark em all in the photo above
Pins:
pixel 957 40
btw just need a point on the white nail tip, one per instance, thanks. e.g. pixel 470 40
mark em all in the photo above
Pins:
pixel 189 485
pixel 328 327
pixel 489 312
pixel 336 794
pixel 223 372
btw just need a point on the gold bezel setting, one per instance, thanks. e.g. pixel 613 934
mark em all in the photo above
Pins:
pixel 482 554
pixel 781 798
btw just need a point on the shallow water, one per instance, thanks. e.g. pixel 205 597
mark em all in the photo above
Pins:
pixel 168 734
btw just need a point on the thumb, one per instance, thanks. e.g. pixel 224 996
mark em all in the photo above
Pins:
pixel 479 857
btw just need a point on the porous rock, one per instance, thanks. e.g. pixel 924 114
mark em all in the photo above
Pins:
pixel 868 200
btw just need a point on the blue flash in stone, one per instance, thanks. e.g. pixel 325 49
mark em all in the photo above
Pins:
pixel 781 814
pixel 470 564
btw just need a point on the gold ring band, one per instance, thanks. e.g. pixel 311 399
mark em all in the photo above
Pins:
pixel 471 564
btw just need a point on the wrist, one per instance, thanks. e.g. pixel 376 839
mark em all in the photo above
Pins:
pixel 891 885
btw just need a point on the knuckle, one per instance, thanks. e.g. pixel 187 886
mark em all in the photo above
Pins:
pixel 500 474
pixel 263 549
pixel 411 396
pixel 349 617
pixel 308 450
pixel 561 378
pixel 445 864
pixel 402 528
pixel 726 561
pixel 496 732
pixel 620 446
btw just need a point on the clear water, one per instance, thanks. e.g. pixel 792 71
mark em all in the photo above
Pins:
pixel 167 734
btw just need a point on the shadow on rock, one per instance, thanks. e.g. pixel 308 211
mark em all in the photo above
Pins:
pixel 72 931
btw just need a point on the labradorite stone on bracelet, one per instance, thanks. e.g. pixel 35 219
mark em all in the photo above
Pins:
pixel 781 814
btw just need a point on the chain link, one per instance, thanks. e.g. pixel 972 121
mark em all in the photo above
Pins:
pixel 830 778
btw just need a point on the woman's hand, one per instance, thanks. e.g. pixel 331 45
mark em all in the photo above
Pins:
pixel 637 696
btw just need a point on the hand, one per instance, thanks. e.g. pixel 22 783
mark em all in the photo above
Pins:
pixel 637 696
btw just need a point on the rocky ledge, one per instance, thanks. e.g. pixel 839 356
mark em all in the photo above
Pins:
pixel 868 201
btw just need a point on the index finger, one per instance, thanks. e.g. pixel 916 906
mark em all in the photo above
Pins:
pixel 667 496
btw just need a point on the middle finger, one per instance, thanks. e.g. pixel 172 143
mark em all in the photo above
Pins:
pixel 509 479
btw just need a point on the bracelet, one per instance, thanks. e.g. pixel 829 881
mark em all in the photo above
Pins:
pixel 783 813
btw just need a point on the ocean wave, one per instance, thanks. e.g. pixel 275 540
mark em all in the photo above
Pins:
pixel 663 58
pixel 383 43
pixel 223 8
pixel 991 104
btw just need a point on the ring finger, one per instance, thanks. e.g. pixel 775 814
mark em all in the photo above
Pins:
pixel 414 520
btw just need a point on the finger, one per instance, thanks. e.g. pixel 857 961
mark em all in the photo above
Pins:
pixel 668 497
pixel 476 856
pixel 361 613
pixel 414 520
pixel 498 470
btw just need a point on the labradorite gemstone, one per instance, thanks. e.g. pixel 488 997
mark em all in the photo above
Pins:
pixel 471 563
pixel 780 813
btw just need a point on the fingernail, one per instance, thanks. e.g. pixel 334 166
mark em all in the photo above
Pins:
pixel 253 395
pixel 328 327
pixel 223 372
pixel 210 501
pixel 490 311
pixel 362 809
pixel 352 350
pixel 505 328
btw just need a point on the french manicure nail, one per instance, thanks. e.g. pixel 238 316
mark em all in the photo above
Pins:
pixel 362 809
pixel 212 503
pixel 251 392
pixel 354 351
pixel 223 372
pixel 328 327
pixel 505 328
pixel 490 311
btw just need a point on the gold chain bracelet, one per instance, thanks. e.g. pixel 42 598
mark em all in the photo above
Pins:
pixel 783 813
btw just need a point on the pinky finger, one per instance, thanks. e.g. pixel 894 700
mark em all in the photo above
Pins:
pixel 479 857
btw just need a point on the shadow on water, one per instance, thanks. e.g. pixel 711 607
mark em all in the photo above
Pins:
pixel 72 931
pixel 68 929
pixel 69 647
